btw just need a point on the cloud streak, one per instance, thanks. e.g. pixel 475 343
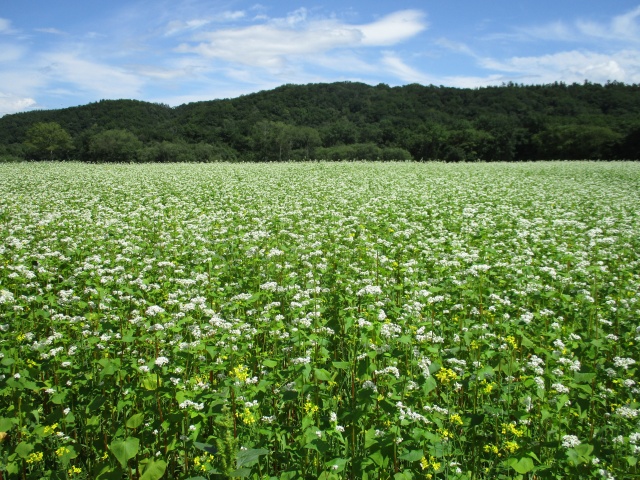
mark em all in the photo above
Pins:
pixel 273 44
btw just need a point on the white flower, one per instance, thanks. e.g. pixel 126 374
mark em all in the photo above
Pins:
pixel 160 361
pixel 624 363
pixel 16 376
pixel 369 290
pixel 560 388
pixel 570 441
pixel 154 310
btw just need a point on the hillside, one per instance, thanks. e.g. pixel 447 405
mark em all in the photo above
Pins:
pixel 354 120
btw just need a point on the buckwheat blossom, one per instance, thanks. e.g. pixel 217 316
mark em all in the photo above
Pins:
pixel 623 363
pixel 160 361
pixel 570 441
pixel 560 388
pixel 627 412
pixel 154 310
pixel 369 290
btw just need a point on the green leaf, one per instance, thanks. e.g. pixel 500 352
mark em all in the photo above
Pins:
pixel 24 449
pixel 269 363
pixel 6 424
pixel 377 458
pixel 583 377
pixel 341 365
pixel 124 450
pixel 150 382
pixel 339 462
pixel 412 456
pixel 370 438
pixel 406 475
pixel 96 403
pixel 521 465
pixel 322 375
pixel 135 420
pixel 429 384
pixel 584 449
pixel 240 473
pixel 155 470
pixel 249 457
pixel 206 447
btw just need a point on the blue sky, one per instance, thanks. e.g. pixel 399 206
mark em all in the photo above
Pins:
pixel 65 53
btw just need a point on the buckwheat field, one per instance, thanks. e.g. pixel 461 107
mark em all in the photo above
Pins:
pixel 320 321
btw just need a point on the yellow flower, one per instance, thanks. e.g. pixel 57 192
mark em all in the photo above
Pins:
pixel 240 372
pixel 35 457
pixel 487 387
pixel 490 449
pixel 455 418
pixel 310 408
pixel 74 471
pixel 61 451
pixel 48 430
pixel 511 341
pixel 511 428
pixel 511 446
pixel 247 417
pixel 446 375
pixel 424 463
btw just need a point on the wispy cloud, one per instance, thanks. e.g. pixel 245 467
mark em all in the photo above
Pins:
pixel 11 104
pixel 180 26
pixel 53 31
pixel 272 44
pixel 622 28
pixel 572 66
pixel 395 65
pixel 5 26
pixel 89 76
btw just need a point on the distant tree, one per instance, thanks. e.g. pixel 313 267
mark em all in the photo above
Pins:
pixel 114 145
pixel 305 139
pixel 576 142
pixel 272 141
pixel 48 139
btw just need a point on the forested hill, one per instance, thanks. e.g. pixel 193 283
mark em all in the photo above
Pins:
pixel 344 121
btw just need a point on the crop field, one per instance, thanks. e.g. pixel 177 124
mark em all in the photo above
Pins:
pixel 320 321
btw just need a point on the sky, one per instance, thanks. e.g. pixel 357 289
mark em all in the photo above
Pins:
pixel 72 52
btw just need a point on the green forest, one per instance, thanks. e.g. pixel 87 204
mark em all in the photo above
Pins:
pixel 343 121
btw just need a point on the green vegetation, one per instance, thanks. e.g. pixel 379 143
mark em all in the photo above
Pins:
pixel 320 321
pixel 357 121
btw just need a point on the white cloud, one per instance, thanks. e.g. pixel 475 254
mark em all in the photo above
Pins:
pixel 89 76
pixel 393 28
pixel 5 26
pixel 11 104
pixel 399 69
pixel 623 27
pixel 572 66
pixel 180 26
pixel 10 52
pixel 270 45
pixel 53 31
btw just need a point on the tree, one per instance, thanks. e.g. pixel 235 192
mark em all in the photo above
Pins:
pixel 46 138
pixel 114 146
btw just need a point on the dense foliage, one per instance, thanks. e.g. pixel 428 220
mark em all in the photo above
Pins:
pixel 326 321
pixel 354 120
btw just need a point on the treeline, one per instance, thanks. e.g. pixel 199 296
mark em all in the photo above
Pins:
pixel 343 121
